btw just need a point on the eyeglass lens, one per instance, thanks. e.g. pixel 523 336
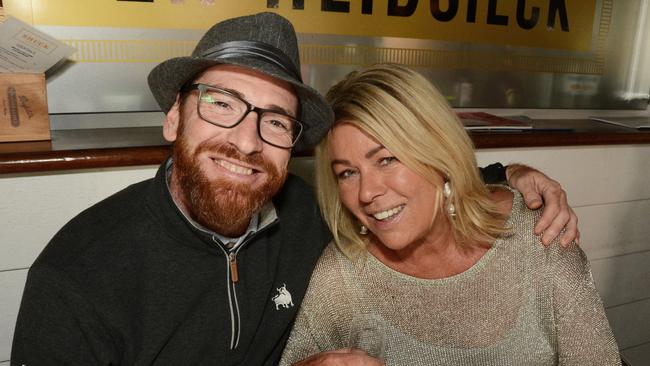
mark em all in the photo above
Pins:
pixel 226 110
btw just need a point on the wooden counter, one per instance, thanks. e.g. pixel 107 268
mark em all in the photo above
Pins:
pixel 115 147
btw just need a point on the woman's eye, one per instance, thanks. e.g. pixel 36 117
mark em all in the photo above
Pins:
pixel 344 174
pixel 387 160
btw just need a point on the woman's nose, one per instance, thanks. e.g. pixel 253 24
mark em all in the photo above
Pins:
pixel 371 187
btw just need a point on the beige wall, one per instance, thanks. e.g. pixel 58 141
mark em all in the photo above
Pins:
pixel 609 187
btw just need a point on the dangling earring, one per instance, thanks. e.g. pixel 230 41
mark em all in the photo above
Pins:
pixel 363 230
pixel 446 191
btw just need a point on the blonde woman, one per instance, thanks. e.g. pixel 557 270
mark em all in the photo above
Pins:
pixel 428 264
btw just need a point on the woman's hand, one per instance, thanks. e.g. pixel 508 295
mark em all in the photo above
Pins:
pixel 539 189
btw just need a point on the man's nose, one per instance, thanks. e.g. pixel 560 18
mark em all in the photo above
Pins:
pixel 245 137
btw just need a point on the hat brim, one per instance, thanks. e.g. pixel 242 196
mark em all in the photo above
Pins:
pixel 167 78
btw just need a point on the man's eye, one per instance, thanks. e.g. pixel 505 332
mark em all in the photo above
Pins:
pixel 223 105
pixel 279 125
pixel 209 99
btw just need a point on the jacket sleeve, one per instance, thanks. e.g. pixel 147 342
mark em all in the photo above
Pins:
pixel 494 174
pixel 583 333
pixel 57 326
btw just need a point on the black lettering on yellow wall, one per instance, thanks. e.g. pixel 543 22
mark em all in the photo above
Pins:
pixel 339 6
pixel 366 7
pixel 493 17
pixel 140 1
pixel 471 11
pixel 297 4
pixel 394 9
pixel 558 6
pixel 447 15
pixel 528 16
pixel 522 21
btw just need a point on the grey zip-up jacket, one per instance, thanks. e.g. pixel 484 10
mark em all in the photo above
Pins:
pixel 129 281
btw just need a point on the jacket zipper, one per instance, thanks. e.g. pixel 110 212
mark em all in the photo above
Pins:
pixel 232 277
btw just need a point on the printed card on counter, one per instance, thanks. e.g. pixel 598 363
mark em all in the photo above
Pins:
pixel 25 49
pixel 638 122
pixel 486 121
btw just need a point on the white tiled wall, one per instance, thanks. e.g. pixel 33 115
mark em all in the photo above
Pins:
pixel 609 187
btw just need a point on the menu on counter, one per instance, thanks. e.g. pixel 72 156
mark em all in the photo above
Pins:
pixel 639 122
pixel 25 49
pixel 487 121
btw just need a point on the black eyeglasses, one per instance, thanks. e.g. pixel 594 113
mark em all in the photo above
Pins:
pixel 222 108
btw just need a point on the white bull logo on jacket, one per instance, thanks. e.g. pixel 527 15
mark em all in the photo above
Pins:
pixel 283 298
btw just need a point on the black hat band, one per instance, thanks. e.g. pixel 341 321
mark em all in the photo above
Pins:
pixel 258 50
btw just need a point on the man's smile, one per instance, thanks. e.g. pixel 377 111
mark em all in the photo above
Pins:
pixel 234 168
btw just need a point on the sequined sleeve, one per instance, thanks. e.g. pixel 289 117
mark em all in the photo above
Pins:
pixel 301 343
pixel 325 307
pixel 583 333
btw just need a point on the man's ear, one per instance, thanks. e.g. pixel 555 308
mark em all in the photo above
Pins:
pixel 172 120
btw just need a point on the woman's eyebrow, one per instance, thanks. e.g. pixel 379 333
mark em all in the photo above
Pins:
pixel 372 152
pixel 340 161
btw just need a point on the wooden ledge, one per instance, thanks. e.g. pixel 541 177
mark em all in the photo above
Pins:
pixel 117 147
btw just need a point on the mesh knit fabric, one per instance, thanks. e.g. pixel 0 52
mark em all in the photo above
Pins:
pixel 520 304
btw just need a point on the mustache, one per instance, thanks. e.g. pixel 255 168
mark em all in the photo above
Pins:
pixel 229 151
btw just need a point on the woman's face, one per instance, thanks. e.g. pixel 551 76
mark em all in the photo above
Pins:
pixel 392 201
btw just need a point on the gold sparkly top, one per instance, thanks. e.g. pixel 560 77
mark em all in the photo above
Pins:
pixel 520 304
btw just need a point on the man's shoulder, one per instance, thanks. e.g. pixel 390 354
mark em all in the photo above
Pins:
pixel 100 225
pixel 118 207
pixel 296 197
pixel 296 187
pixel 300 217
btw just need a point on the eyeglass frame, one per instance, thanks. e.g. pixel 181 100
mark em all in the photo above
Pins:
pixel 249 108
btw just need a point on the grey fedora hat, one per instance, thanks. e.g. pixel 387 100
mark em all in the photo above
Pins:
pixel 264 42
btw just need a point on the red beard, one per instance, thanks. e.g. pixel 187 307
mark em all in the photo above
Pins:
pixel 221 205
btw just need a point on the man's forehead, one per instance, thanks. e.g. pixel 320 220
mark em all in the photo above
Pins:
pixel 225 72
pixel 244 82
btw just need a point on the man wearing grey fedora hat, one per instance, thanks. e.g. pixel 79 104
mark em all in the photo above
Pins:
pixel 207 262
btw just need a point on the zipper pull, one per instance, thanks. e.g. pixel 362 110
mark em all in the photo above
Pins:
pixel 233 268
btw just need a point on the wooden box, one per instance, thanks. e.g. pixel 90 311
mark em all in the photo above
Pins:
pixel 23 108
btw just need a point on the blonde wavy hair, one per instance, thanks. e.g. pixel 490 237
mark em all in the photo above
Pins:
pixel 406 114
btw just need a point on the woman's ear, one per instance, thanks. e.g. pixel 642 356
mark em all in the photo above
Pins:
pixel 172 120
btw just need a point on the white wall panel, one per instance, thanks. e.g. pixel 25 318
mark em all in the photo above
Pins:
pixel 590 174
pixel 630 323
pixel 623 279
pixel 35 206
pixel 615 229
pixel 637 356
pixel 12 284
pixel 608 186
